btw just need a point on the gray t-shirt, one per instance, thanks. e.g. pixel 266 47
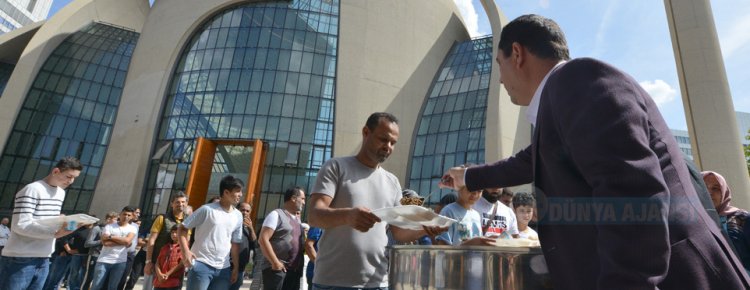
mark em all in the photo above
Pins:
pixel 215 231
pixel 347 257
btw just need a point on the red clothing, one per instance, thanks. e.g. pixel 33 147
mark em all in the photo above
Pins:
pixel 170 256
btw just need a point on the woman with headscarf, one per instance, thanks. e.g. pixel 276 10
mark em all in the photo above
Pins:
pixel 733 219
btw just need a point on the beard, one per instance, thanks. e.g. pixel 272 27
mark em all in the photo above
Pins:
pixel 492 198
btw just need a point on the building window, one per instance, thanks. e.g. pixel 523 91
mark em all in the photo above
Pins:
pixel 257 71
pixel 450 130
pixel 69 111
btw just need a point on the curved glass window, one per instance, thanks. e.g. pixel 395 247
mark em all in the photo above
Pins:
pixel 6 70
pixel 69 111
pixel 257 71
pixel 450 130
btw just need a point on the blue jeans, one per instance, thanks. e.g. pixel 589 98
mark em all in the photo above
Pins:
pixel 23 273
pixel 205 277
pixel 56 272
pixel 77 270
pixel 326 287
pixel 107 272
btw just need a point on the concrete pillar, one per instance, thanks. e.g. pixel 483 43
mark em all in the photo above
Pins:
pixel 705 94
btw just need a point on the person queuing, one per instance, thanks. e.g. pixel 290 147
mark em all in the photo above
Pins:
pixel 94 244
pixel 218 234
pixel 25 258
pixel 4 233
pixel 168 268
pixel 161 234
pixel 248 241
pixel 345 191
pixel 113 258
pixel 281 240
pixel 734 221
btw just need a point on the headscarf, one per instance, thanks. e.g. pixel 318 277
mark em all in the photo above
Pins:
pixel 724 209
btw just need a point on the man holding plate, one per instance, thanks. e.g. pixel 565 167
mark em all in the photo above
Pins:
pixel 352 251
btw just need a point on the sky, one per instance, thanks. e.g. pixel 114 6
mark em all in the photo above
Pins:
pixel 631 35
pixel 634 36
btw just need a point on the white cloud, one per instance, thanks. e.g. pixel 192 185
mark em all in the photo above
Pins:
pixel 471 18
pixel 660 91
pixel 544 3
pixel 736 38
pixel 603 30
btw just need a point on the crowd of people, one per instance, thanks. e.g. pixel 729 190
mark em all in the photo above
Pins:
pixel 606 145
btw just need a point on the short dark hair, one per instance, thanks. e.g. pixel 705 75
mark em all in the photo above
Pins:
pixel 374 119
pixel 230 183
pixel 539 35
pixel 69 163
pixel 448 199
pixel 523 198
pixel 128 209
pixel 177 195
pixel 174 228
pixel 292 192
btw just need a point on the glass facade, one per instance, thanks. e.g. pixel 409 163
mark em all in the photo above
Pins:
pixel 69 111
pixel 6 70
pixel 450 130
pixel 257 71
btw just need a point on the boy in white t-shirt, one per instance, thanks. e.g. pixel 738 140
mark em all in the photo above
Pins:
pixel 524 204
pixel 116 239
pixel 218 234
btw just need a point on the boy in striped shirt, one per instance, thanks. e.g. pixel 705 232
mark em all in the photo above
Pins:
pixel 25 261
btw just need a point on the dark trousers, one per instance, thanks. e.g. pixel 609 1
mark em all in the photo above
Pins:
pixel 277 280
pixel 88 275
pixel 126 274
pixel 137 270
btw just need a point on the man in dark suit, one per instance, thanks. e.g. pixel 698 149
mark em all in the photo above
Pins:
pixel 617 209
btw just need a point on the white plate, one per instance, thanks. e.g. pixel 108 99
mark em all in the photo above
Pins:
pixel 412 217
pixel 78 218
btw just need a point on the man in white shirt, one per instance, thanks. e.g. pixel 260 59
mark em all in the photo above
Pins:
pixel 218 232
pixel 113 259
pixel 498 220
pixel 25 261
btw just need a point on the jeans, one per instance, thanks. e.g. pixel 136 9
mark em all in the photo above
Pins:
pixel 56 272
pixel 111 273
pixel 77 270
pixel 325 287
pixel 23 273
pixel 205 277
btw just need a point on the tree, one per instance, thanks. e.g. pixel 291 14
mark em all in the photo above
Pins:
pixel 747 151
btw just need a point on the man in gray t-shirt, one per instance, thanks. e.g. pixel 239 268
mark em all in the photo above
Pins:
pixel 352 250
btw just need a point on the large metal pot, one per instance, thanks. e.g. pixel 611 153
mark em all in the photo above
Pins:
pixel 449 267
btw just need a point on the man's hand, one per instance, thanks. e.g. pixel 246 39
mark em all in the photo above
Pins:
pixel 247 222
pixel 148 269
pixel 279 266
pixel 478 241
pixel 453 178
pixel 361 219
pixel 235 274
pixel 187 259
pixel 434 231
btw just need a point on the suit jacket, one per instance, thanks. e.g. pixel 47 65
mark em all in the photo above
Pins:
pixel 617 209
